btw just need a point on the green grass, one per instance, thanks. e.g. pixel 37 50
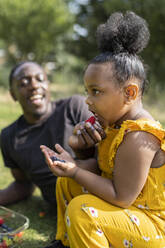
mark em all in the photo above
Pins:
pixel 42 229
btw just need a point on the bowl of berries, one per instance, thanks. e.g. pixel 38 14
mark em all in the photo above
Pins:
pixel 12 227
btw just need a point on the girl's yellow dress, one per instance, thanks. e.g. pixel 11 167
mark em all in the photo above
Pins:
pixel 91 222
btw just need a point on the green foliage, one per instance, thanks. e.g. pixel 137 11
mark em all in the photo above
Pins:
pixel 95 12
pixel 4 73
pixel 42 31
pixel 31 29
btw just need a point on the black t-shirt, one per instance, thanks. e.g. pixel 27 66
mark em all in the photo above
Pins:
pixel 20 142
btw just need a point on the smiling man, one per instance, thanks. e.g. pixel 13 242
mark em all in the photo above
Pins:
pixel 43 122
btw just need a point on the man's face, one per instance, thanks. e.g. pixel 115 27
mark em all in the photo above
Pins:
pixel 30 89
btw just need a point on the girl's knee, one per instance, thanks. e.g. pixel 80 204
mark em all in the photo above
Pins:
pixel 75 209
pixel 75 205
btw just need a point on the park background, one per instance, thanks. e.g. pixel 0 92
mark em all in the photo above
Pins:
pixel 60 35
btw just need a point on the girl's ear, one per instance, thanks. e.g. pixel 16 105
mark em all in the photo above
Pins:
pixel 131 92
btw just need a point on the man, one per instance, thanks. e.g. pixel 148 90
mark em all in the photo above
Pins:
pixel 43 123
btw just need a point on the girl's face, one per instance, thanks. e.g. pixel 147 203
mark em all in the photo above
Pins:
pixel 105 98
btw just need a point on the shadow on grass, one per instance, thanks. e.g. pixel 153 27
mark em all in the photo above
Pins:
pixel 41 230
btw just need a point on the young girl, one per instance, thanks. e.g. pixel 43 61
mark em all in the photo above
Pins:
pixel 118 201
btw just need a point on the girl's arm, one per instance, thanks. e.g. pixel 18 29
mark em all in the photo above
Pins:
pixel 89 165
pixel 132 164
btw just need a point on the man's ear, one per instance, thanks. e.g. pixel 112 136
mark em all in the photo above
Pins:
pixel 12 94
pixel 131 92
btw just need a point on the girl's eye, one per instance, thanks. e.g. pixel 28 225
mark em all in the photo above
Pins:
pixel 92 92
pixel 95 92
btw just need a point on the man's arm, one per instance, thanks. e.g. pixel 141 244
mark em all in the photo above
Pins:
pixel 18 190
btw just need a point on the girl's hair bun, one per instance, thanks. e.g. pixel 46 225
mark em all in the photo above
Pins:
pixel 127 33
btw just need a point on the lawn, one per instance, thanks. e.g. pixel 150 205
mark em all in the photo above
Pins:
pixel 42 229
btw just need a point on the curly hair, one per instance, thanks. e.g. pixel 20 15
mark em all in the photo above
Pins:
pixel 120 40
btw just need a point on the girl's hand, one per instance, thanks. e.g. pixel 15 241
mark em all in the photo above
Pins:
pixel 67 168
pixel 86 135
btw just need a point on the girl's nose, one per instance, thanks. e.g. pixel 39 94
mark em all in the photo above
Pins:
pixel 88 100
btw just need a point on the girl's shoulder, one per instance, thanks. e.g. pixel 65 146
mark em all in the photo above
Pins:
pixel 147 125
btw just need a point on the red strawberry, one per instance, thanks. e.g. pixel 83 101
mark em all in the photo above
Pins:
pixel 92 120
pixel 1 221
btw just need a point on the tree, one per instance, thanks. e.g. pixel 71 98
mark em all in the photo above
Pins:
pixel 32 29
pixel 91 13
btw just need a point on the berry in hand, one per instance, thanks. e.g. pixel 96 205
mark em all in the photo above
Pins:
pixel 92 120
pixel 54 158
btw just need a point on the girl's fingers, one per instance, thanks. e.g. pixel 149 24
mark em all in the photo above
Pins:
pixel 99 130
pixel 45 148
pixel 56 167
pixel 48 150
pixel 61 165
pixel 89 135
pixel 47 153
pixel 47 158
pixel 59 148
pixel 77 141
pixel 88 138
pixel 94 134
pixel 78 127
pixel 81 140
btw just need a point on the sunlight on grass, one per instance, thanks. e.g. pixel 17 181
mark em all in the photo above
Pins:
pixel 9 110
